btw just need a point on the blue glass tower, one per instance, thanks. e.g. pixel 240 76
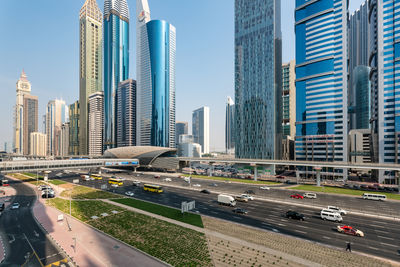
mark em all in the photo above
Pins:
pixel 116 62
pixel 321 80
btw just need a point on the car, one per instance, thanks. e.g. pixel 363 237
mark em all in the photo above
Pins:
pixel 247 196
pixel 356 186
pixel 280 177
pixel 264 188
pixel 196 185
pixel 249 192
pixel 310 195
pixel 205 191
pixel 298 196
pixel 295 215
pixel 49 191
pixel 239 211
pixel 129 193
pixel 241 199
pixel 167 180
pixel 156 176
pixel 346 229
pixel 44 195
pixel 114 185
pixel 213 184
pixel 15 206
pixel 337 209
pixel 136 183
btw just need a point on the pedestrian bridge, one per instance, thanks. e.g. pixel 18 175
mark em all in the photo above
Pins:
pixel 41 165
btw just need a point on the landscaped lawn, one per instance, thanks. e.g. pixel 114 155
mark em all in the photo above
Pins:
pixel 335 190
pixel 57 182
pixel 83 192
pixel 230 179
pixel 171 213
pixel 33 175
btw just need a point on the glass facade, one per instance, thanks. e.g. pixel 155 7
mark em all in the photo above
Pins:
pixel 126 117
pixel 74 113
pixel 116 63
pixel 258 79
pixel 321 80
pixel 230 125
pixel 362 88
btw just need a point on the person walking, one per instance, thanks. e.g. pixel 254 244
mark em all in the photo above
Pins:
pixel 348 246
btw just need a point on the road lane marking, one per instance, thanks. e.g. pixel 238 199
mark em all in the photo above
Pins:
pixel 302 226
pixel 373 248
pixel 237 217
pixel 300 231
pixel 281 224
pixel 266 224
pixel 385 237
pixel 380 231
pixel 386 244
pixel 326 237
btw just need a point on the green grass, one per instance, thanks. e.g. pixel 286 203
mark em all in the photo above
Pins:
pixel 171 243
pixel 57 182
pixel 33 175
pixel 167 212
pixel 83 192
pixel 247 181
pixel 336 190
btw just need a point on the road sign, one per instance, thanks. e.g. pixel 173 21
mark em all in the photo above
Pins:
pixel 186 206
pixel 75 181
pixel 60 217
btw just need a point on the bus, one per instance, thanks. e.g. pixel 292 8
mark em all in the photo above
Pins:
pixel 117 181
pixel 153 188
pixel 4 182
pixel 96 176
pixel 374 196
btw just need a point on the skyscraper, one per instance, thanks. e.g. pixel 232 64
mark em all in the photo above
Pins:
pixel 30 121
pixel 156 80
pixel 229 126
pixel 56 115
pixel 384 63
pixel 289 99
pixel 38 144
pixel 74 128
pixel 321 80
pixel 258 81
pixel 96 123
pixel 201 128
pixel 90 65
pixel 126 116
pixel 116 61
pixel 181 127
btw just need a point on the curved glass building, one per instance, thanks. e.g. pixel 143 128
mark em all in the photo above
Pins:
pixel 116 61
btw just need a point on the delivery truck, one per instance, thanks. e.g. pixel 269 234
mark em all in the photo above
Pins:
pixel 226 200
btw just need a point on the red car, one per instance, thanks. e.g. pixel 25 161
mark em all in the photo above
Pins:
pixel 298 196
pixel 345 229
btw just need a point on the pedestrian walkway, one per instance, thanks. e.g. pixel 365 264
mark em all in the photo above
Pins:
pixel 6 195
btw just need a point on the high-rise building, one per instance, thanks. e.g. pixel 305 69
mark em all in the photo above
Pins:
pixel 96 123
pixel 201 128
pixel 230 126
pixel 64 143
pixel 23 88
pixel 74 128
pixel 384 62
pixel 38 145
pixel 156 80
pixel 116 62
pixel 359 146
pixel 289 99
pixel 30 121
pixel 321 81
pixel 56 115
pixel 361 101
pixel 90 64
pixel 181 127
pixel 258 79
pixel 126 116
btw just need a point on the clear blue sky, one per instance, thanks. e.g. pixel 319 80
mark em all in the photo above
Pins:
pixel 41 36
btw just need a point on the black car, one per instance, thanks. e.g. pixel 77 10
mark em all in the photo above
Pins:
pixel 249 192
pixel 239 211
pixel 48 196
pixel 295 215
pixel 205 191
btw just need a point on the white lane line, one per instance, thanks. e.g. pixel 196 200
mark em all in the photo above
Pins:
pixel 214 212
pixel 300 231
pixel 380 231
pixel 386 237
pixel 326 237
pixel 267 224
pixel 302 226
pixel 237 217
pixel 281 224
pixel 386 244
pixel 380 226
pixel 373 248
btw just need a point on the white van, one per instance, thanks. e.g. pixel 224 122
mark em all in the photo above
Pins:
pixel 337 209
pixel 374 196
pixel 331 216
pixel 310 195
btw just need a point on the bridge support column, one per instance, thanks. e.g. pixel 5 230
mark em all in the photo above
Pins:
pixel 318 170
pixel 398 179
pixel 255 173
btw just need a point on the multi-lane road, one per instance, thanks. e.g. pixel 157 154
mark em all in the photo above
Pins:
pixel 382 237
pixel 22 237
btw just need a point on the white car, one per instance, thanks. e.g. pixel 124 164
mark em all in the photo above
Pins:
pixel 168 180
pixel 15 206
pixel 265 188
pixel 129 194
pixel 247 196
pixel 337 209
pixel 196 185
pixel 114 185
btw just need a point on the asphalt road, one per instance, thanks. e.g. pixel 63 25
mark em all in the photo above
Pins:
pixel 382 237
pixel 21 234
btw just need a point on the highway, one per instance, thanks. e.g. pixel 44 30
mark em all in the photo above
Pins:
pixel 382 237
pixel 22 236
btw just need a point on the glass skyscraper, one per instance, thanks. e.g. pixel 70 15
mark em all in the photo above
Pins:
pixel 258 79
pixel 126 116
pixel 116 62
pixel 321 80
pixel 230 125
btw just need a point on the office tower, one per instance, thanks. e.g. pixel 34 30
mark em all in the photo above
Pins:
pixel 359 145
pixel 359 87
pixel 258 79
pixel 321 81
pixel 38 145
pixel 289 99
pixel 181 127
pixel 384 63
pixel 230 126
pixel 64 143
pixel 23 88
pixel 56 115
pixel 116 62
pixel 74 112
pixel 201 128
pixel 90 64
pixel 185 138
pixel 126 116
pixel 156 80
pixel 190 150
pixel 96 124
pixel 30 120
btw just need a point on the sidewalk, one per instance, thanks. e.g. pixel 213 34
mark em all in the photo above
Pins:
pixel 9 192
pixel 92 248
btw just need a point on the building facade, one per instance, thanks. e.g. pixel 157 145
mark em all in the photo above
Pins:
pixel 359 145
pixel 361 103
pixel 126 116
pixel 90 63
pixel 96 124
pixel 181 127
pixel 201 128
pixel 56 115
pixel 230 126
pixel 258 79
pixel 64 143
pixel 38 144
pixel 289 99
pixel 30 121
pixel 74 122
pixel 116 62
pixel 321 81
pixel 191 150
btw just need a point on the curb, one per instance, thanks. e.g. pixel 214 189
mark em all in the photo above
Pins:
pixel 4 250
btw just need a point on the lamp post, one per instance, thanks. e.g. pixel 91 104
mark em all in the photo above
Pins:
pixel 318 170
